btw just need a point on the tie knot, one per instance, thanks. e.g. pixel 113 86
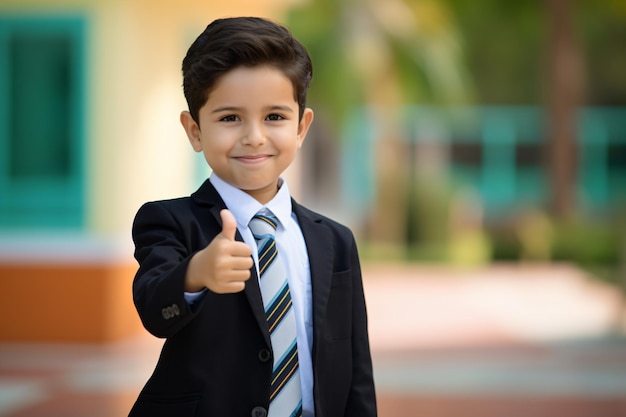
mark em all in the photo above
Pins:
pixel 263 224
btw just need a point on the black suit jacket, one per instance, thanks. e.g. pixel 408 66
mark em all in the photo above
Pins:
pixel 216 359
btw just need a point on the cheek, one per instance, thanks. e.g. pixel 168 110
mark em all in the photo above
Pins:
pixel 290 140
pixel 216 142
pixel 290 146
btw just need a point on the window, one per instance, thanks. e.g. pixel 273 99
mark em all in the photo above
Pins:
pixel 41 122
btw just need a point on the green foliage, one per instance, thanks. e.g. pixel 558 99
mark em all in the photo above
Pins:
pixel 506 245
pixel 428 214
pixel 583 241
pixel 505 45
pixel 420 62
pixel 319 26
pixel 601 26
pixel 586 242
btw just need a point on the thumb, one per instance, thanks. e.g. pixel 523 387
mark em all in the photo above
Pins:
pixel 229 224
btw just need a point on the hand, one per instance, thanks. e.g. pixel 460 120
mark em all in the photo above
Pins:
pixel 224 265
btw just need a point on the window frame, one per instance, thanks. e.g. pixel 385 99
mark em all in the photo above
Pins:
pixel 56 203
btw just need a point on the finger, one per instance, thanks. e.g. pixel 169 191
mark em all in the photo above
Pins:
pixel 234 287
pixel 229 225
pixel 237 275
pixel 235 263
pixel 242 264
pixel 230 287
pixel 241 249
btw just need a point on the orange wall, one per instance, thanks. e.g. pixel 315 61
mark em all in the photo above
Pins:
pixel 67 303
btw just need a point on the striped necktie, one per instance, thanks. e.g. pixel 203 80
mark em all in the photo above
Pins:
pixel 285 394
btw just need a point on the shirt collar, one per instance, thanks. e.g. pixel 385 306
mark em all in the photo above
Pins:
pixel 244 207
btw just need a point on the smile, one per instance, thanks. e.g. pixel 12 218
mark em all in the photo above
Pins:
pixel 251 159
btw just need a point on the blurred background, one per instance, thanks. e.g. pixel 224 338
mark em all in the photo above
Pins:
pixel 477 149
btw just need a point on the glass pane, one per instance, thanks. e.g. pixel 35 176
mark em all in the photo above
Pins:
pixel 39 139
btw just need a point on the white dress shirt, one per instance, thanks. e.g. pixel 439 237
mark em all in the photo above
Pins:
pixel 292 247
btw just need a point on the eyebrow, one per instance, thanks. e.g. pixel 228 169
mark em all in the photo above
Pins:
pixel 237 109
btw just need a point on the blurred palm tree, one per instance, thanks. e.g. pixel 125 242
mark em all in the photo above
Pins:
pixel 382 55
pixel 565 73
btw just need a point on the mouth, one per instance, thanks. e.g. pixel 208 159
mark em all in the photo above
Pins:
pixel 252 159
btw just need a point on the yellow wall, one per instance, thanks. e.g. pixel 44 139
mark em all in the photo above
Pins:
pixel 139 151
pixel 135 151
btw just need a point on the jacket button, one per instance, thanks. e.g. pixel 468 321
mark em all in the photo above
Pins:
pixel 259 412
pixel 170 312
pixel 265 355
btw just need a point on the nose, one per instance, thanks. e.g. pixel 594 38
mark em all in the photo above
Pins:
pixel 254 134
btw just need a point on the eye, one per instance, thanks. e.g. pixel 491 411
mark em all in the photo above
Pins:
pixel 275 117
pixel 229 118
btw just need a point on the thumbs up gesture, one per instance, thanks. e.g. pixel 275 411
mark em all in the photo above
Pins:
pixel 224 265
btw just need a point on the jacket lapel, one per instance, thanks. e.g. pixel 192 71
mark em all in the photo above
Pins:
pixel 317 236
pixel 253 293
pixel 208 195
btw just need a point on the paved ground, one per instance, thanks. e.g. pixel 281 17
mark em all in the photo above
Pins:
pixel 504 341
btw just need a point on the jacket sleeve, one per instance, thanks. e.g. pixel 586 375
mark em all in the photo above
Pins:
pixel 163 255
pixel 362 396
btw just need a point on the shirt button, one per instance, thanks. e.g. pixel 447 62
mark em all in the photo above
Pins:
pixel 259 412
pixel 265 355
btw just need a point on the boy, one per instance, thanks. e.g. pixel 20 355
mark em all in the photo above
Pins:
pixel 210 280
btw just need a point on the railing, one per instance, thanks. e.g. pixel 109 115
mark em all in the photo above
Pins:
pixel 500 152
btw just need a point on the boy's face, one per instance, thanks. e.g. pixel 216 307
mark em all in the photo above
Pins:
pixel 249 130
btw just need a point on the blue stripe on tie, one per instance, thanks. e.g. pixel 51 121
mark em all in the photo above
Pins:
pixel 284 370
pixel 293 347
pixel 298 411
pixel 278 304
pixel 267 253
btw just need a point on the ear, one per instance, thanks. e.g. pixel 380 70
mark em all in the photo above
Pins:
pixel 303 126
pixel 192 129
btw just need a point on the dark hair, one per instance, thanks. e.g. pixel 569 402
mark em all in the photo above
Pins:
pixel 243 41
